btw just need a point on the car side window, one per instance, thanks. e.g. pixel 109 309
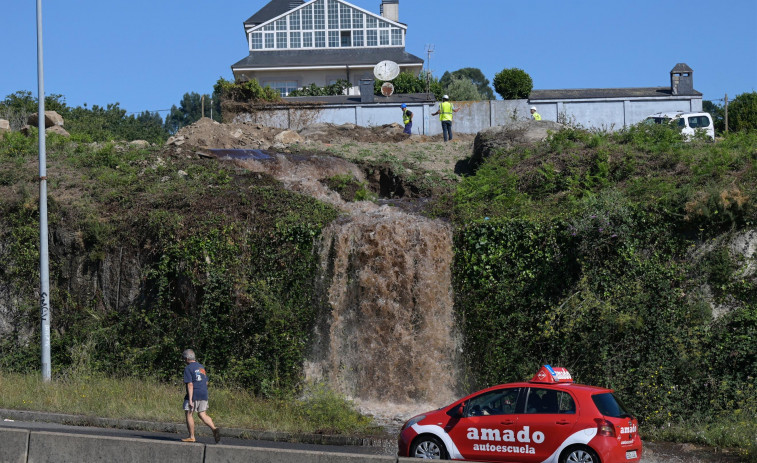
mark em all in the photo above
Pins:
pixel 549 401
pixel 694 122
pixel 499 402
pixel 681 123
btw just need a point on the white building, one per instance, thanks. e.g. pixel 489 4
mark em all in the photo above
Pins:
pixel 294 43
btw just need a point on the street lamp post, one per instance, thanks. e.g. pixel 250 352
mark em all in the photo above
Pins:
pixel 44 265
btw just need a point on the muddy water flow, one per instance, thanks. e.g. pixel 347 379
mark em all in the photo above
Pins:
pixel 385 335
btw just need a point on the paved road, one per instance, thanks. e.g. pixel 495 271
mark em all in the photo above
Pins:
pixel 654 452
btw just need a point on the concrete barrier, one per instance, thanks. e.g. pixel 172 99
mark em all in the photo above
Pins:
pixel 235 454
pixel 48 447
pixel 14 445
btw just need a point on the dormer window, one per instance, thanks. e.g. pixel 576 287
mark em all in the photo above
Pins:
pixel 305 28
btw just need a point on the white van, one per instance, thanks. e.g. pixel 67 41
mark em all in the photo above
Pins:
pixel 689 123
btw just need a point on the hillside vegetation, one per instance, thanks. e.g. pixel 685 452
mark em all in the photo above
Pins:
pixel 627 258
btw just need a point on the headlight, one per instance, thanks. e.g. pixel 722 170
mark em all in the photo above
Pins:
pixel 412 421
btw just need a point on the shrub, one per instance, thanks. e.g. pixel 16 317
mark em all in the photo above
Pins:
pixel 513 84
pixel 742 113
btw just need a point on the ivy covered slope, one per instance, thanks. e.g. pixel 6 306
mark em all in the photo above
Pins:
pixel 153 251
pixel 627 258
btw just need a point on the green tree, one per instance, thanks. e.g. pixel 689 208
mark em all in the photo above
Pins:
pixel 742 113
pixel 337 88
pixel 718 114
pixel 513 84
pixel 189 110
pixel 475 76
pixel 18 106
pixel 462 89
pixel 407 82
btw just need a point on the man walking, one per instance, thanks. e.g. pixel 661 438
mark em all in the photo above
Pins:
pixel 196 400
pixel 445 111
pixel 407 119
pixel 534 115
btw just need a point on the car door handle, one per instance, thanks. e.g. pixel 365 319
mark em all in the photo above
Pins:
pixel 563 422
pixel 507 422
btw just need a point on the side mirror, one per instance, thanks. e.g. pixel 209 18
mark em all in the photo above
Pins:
pixel 457 412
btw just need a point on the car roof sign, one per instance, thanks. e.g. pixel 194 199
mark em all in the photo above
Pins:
pixel 549 375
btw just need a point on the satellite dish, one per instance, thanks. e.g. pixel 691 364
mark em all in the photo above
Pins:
pixel 387 89
pixel 386 70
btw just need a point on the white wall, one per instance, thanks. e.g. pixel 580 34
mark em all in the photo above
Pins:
pixel 474 116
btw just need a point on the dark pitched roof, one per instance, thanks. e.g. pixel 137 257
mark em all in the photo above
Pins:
pixel 599 93
pixel 327 57
pixel 273 9
pixel 681 67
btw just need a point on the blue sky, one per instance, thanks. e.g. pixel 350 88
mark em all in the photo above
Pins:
pixel 147 54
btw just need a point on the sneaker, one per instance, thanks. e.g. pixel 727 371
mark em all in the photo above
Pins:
pixel 217 435
pixel 188 439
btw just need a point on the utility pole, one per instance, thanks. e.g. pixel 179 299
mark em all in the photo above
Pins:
pixel 726 113
pixel 202 101
pixel 211 108
pixel 44 265
pixel 429 51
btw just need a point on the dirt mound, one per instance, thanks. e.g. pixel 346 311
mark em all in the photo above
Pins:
pixel 345 133
pixel 207 133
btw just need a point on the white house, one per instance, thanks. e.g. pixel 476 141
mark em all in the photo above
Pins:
pixel 294 43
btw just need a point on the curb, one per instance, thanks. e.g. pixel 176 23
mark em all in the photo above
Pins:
pixel 178 428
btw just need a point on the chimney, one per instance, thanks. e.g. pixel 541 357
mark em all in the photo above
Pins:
pixel 682 80
pixel 390 9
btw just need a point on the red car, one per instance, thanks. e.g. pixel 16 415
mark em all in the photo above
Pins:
pixel 549 419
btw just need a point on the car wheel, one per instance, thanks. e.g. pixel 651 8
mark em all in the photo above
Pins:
pixel 429 448
pixel 580 455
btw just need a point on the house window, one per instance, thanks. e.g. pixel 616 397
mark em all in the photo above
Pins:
pixel 372 38
pixel 357 20
pixel 371 22
pixel 346 38
pixel 268 27
pixel 307 40
pixel 269 40
pixel 357 38
pixel 333 39
pixel 333 15
pixel 307 18
pixel 320 39
pixel 384 24
pixel 345 13
pixel 319 16
pixel 396 36
pixel 281 24
pixel 281 40
pixel 284 87
pixel 384 36
pixel 257 40
pixel 294 21
pixel 294 40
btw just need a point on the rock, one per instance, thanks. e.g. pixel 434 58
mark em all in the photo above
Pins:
pixel 57 129
pixel 176 140
pixel 288 137
pixel 183 174
pixel 5 126
pixel 51 119
pixel 503 137
pixel 139 143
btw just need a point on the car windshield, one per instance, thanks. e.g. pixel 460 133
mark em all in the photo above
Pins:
pixel 609 405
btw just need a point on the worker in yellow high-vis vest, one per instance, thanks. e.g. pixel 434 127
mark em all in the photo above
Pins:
pixel 445 111
pixel 534 115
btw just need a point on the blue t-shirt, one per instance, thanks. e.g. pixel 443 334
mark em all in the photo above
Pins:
pixel 195 373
